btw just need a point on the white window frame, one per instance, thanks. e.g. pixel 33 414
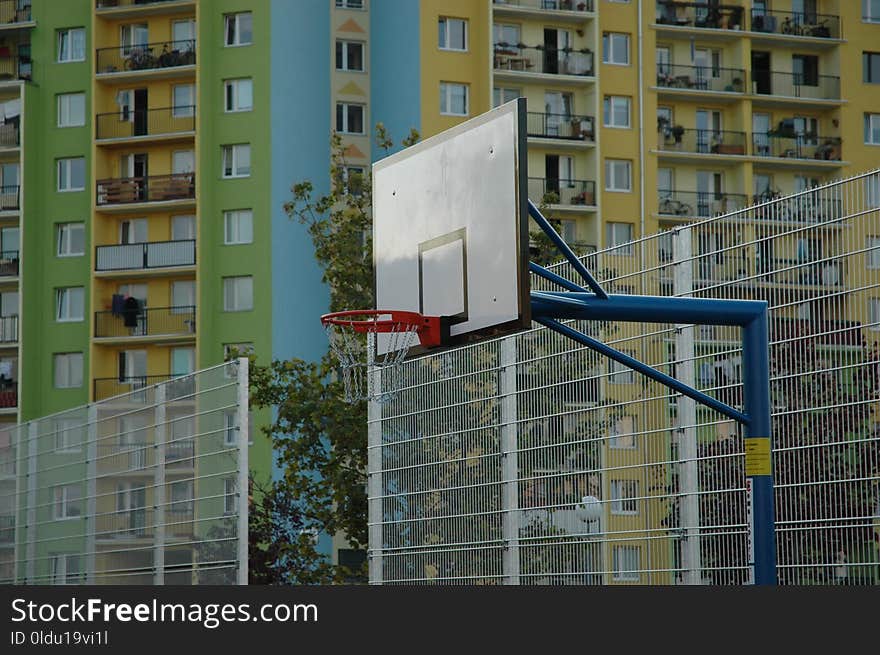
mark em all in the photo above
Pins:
pixel 60 569
pixel 344 45
pixel 608 52
pixel 446 46
pixel 232 293
pixel 611 112
pixel 184 110
pixel 66 293
pixel 68 363
pixel 185 504
pixel 65 164
pixel 624 492
pixel 611 181
pixel 230 431
pixel 232 95
pixel 867 15
pixel 237 42
pixel 233 153
pixel 872 191
pixel 346 106
pixel 229 495
pixel 176 290
pixel 874 313
pixel 63 498
pixel 68 435
pixel 872 121
pixel 70 32
pixel 502 92
pixel 621 573
pixel 620 374
pixel 446 96
pixel 65 115
pixel 622 436
pixel 872 254
pixel 614 243
pixel 64 239
pixel 232 221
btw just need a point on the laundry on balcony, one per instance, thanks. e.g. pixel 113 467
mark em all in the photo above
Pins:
pixel 131 311
pixel 117 304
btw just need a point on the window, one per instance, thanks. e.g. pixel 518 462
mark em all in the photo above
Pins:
pixel 237 160
pixel 616 111
pixel 72 174
pixel 68 370
pixel 872 129
pixel 619 236
pixel 183 227
pixel 229 496
pixel 183 97
pixel 871 67
pixel 620 374
pixel 69 303
pixel 350 4
pixel 72 45
pixel 71 239
pixel 874 313
pixel 805 69
pixel 618 175
pixel 615 48
pixel 183 296
pixel 625 564
pixel 71 109
pixel 624 496
pixel 64 569
pixel 622 433
pixel 238 226
pixel 501 95
pixel 238 293
pixel 871 11
pixel 183 34
pixel 239 94
pixel 349 56
pixel 872 191
pixel 68 435
pixel 230 434
pixel 67 502
pixel 239 29
pixel 182 497
pixel 453 99
pixel 134 37
pixel 453 34
pixel 349 118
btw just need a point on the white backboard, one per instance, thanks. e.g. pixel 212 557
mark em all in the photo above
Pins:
pixel 450 226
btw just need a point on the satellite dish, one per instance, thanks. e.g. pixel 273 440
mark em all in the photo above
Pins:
pixel 590 508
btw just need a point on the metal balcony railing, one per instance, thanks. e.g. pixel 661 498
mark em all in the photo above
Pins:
pixel 701 78
pixel 14 11
pixel 8 329
pixel 555 5
pixel 9 263
pixel 701 204
pixel 138 256
pixel 807 208
pixel 9 197
pixel 17 67
pixel 10 135
pixel 148 56
pixel 145 122
pixel 554 61
pixel 718 142
pixel 7 528
pixel 700 15
pixel 8 394
pixel 113 4
pixel 139 523
pixel 178 387
pixel 800 146
pixel 158 321
pixel 820 26
pixel 7 453
pixel 796 85
pixel 563 192
pixel 561 126
pixel 155 188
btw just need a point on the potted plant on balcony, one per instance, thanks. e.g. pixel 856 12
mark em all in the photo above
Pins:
pixel 677 133
pixel 737 84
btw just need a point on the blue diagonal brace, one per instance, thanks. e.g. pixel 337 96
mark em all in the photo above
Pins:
pixel 553 277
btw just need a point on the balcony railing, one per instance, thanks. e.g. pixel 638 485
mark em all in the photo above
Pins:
pixel 561 126
pixel 17 67
pixel 9 263
pixel 563 192
pixel 555 5
pixel 7 528
pixel 701 78
pixel 8 394
pixel 113 4
pixel 718 142
pixel 138 256
pixel 8 329
pixel 796 85
pixel 178 387
pixel 804 208
pixel 149 56
pixel 9 197
pixel 511 57
pixel 7 452
pixel 139 523
pixel 145 122
pixel 699 203
pixel 700 15
pixel 797 147
pixel 160 321
pixel 10 136
pixel 155 188
pixel 799 272
pixel 14 11
pixel 820 26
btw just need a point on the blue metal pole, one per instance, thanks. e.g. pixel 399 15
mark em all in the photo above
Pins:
pixel 758 465
pixel 559 242
pixel 553 277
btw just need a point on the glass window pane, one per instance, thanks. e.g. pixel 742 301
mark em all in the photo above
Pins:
pixel 245 31
pixel 245 94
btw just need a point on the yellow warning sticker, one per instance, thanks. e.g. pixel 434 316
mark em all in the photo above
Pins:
pixel 758 456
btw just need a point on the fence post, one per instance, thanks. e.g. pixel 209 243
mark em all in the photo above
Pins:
pixel 510 517
pixel 243 469
pixel 30 549
pixel 375 489
pixel 159 439
pixel 91 436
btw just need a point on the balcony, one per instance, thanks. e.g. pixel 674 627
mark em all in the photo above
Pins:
pixel 676 78
pixel 699 204
pixel 561 126
pixel 9 197
pixel 571 10
pixel 697 15
pixel 153 322
pixel 786 23
pixel 126 60
pixel 143 256
pixel 177 387
pixel 799 146
pixel 518 60
pixel 10 136
pixel 778 85
pixel 126 8
pixel 8 329
pixel 803 208
pixel 9 263
pixel 15 14
pixel 798 272
pixel 564 193
pixel 117 459
pixel 155 188
pixel 139 523
pixel 704 142
pixel 164 122
pixel 7 528
pixel 8 394
pixel 15 67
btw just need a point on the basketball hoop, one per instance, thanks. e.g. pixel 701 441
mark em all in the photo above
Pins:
pixel 358 356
